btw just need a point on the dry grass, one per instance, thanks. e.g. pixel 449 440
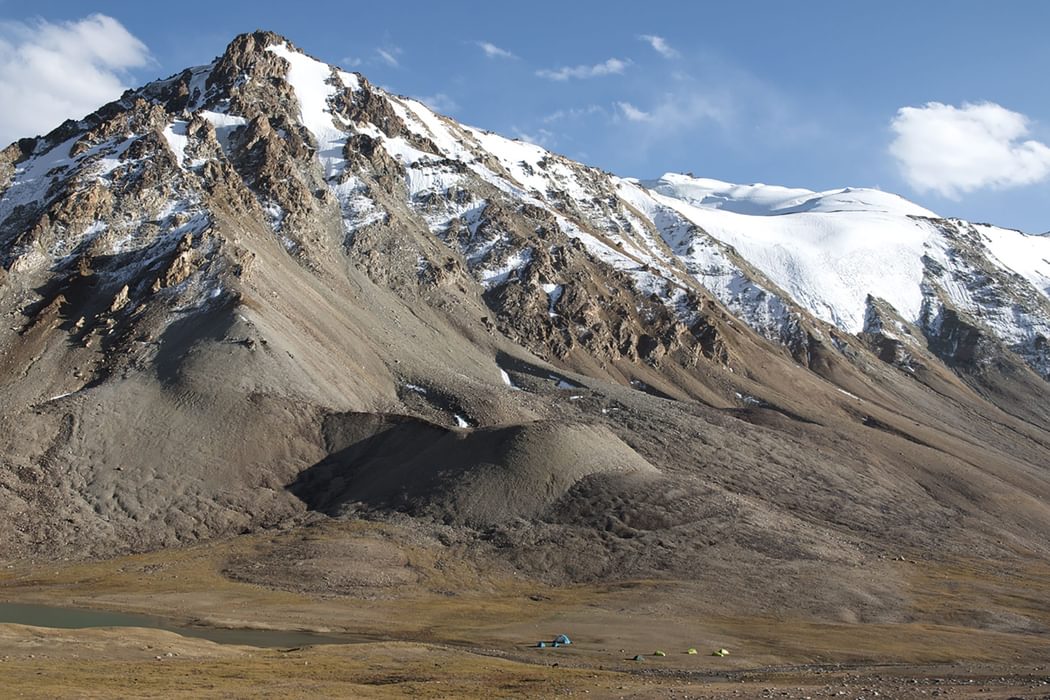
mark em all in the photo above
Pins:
pixel 366 671
pixel 475 643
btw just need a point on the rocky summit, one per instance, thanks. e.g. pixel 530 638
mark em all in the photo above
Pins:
pixel 266 296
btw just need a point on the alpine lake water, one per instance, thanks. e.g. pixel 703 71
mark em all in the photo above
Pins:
pixel 80 618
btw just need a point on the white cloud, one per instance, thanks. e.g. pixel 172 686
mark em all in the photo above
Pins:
pixel 659 45
pixel 678 111
pixel 493 51
pixel 389 56
pixel 52 72
pixel 572 113
pixel 440 102
pixel 953 150
pixel 633 113
pixel 609 67
pixel 350 62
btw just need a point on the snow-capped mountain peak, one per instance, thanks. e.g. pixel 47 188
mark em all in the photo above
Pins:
pixel 771 200
pixel 833 251
pixel 301 135
pixel 265 247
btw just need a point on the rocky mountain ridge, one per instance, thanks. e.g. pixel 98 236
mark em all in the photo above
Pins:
pixel 226 291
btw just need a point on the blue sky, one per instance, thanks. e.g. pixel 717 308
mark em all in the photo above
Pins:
pixel 798 94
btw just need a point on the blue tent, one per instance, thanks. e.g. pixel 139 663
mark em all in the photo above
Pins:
pixel 562 639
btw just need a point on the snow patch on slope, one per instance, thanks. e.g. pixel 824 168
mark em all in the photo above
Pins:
pixel 175 135
pixel 313 84
pixel 224 125
pixel 1028 256
pixel 707 261
pixel 827 261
